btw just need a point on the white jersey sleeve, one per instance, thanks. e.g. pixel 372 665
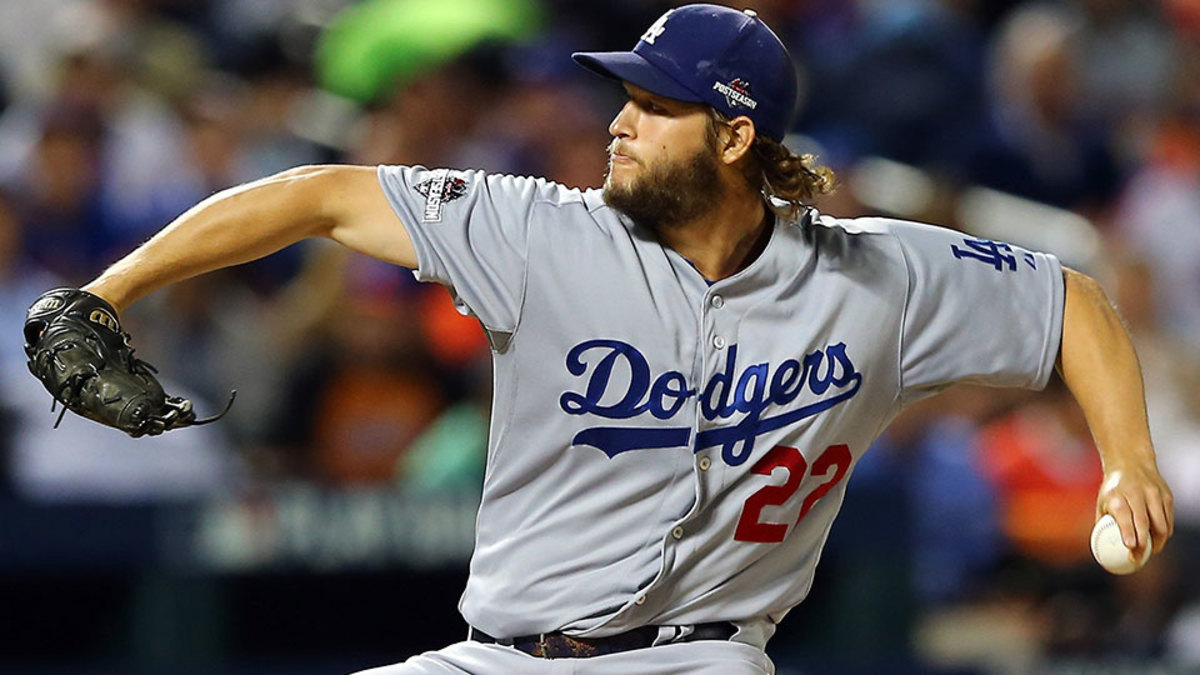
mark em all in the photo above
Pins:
pixel 471 233
pixel 977 311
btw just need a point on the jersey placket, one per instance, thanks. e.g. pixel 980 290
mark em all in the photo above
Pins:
pixel 717 332
pixel 717 335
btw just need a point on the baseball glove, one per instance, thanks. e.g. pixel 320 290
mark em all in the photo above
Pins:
pixel 76 348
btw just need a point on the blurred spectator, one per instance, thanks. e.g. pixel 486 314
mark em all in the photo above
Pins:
pixel 923 59
pixel 1042 141
pixel 367 390
pixel 212 122
pixel 60 194
pixel 1185 15
pixel 543 127
pixel 81 461
pixel 126 139
pixel 27 54
pixel 451 454
pixel 21 282
pixel 1126 60
pixel 428 118
pixel 957 516
pixel 954 512
pixel 277 95
pixel 456 341
pixel 1159 217
pixel 1171 369
pixel 1046 472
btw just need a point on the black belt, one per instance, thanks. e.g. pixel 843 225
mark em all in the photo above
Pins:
pixel 559 646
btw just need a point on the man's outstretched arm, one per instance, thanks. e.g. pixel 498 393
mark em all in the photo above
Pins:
pixel 247 222
pixel 1098 363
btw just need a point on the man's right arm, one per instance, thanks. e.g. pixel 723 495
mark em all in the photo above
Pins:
pixel 247 222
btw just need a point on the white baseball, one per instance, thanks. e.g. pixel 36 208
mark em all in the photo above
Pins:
pixel 1110 551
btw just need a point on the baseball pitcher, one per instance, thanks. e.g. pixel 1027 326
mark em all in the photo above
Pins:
pixel 689 362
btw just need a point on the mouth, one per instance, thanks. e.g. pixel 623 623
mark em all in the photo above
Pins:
pixel 615 156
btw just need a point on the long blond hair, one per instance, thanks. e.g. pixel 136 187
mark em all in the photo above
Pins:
pixel 776 172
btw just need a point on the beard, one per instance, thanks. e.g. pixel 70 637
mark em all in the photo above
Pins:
pixel 668 194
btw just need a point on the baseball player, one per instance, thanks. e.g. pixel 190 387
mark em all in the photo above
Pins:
pixel 688 363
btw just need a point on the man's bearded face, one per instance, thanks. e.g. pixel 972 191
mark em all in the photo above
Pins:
pixel 664 193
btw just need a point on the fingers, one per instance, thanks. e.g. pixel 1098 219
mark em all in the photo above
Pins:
pixel 1161 510
pixel 1144 515
pixel 1141 522
pixel 1119 508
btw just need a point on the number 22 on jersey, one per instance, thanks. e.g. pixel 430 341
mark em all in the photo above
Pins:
pixel 832 464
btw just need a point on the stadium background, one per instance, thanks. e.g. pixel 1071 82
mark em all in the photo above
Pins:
pixel 324 527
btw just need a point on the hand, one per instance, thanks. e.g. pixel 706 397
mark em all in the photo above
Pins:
pixel 1141 502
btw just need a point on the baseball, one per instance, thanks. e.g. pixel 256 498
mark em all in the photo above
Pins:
pixel 1110 551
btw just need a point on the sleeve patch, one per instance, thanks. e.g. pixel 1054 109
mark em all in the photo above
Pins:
pixel 439 189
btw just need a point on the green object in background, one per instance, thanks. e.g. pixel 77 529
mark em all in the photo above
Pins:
pixel 371 47
pixel 450 455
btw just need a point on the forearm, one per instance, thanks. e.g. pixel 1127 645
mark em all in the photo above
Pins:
pixel 234 226
pixel 1098 363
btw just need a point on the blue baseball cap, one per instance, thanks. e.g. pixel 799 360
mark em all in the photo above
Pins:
pixel 720 56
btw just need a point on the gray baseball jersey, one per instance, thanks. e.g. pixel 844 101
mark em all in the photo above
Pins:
pixel 669 451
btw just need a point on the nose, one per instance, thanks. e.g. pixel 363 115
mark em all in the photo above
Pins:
pixel 623 124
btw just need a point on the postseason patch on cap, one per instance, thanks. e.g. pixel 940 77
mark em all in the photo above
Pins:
pixel 438 189
pixel 736 93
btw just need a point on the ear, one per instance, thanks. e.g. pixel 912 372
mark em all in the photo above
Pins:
pixel 737 137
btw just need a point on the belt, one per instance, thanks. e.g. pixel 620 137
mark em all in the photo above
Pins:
pixel 556 645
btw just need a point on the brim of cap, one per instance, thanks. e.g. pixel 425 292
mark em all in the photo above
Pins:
pixel 636 70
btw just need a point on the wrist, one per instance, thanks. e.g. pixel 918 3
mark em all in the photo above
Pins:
pixel 108 293
pixel 1130 456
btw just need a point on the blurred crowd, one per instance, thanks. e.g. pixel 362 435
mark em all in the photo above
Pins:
pixel 117 115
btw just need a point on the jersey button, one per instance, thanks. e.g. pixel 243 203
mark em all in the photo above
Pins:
pixel 677 533
pixel 705 463
pixel 717 302
pixel 719 342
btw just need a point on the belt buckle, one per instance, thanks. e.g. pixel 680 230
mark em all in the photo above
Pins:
pixel 543 647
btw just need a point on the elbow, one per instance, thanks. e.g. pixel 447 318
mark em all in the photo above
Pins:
pixel 1078 282
pixel 1088 315
pixel 1084 296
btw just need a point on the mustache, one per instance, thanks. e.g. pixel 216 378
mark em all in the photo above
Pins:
pixel 615 148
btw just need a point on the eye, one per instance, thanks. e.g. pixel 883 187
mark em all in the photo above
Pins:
pixel 656 109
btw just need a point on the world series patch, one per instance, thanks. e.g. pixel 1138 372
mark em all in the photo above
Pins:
pixel 438 189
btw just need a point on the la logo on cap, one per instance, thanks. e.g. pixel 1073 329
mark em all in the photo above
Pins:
pixel 657 28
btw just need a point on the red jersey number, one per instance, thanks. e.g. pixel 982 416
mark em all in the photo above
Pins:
pixel 833 464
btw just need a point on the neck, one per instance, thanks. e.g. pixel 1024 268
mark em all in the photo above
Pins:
pixel 726 240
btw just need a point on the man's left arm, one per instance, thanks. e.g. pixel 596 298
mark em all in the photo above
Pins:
pixel 1098 363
